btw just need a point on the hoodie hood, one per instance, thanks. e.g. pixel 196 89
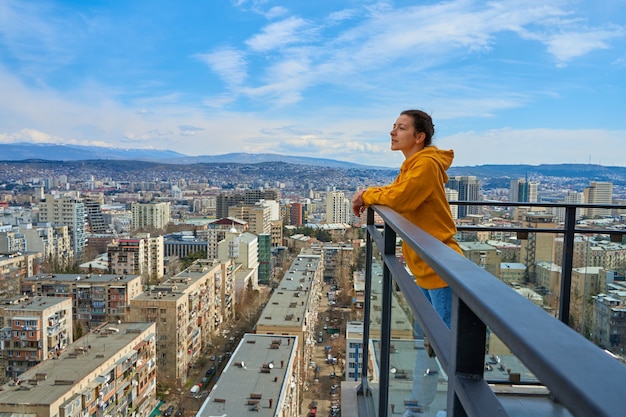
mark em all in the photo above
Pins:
pixel 441 156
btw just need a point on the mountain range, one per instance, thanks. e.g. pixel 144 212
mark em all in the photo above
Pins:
pixel 14 152
pixel 57 152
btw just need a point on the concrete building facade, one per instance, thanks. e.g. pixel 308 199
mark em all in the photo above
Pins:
pixel 34 330
pixel 96 298
pixel 113 373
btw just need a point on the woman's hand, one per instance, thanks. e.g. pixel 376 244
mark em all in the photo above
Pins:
pixel 357 203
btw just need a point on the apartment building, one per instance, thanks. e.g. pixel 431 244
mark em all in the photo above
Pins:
pixel 217 231
pixel 536 247
pixel 598 192
pixel 66 211
pixel 337 256
pixel 189 309
pixel 258 217
pixel 483 255
pixel 468 189
pixel 338 207
pixel 16 266
pixel 141 255
pixel 262 376
pixel 96 298
pixel 109 372
pixel 609 318
pixel 354 350
pixel 150 215
pixel 249 197
pixel 243 250
pixel 35 329
pixel 292 308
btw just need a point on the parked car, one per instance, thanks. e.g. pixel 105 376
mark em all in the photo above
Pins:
pixel 169 411
pixel 210 372
pixel 180 411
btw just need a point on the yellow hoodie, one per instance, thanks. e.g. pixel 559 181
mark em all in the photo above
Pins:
pixel 418 194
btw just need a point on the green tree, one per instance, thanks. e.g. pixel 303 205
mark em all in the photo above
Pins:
pixel 78 330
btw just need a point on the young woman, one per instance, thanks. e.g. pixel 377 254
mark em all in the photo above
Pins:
pixel 418 194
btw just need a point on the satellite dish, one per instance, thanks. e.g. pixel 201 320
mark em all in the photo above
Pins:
pixel 393 370
pixel 271 365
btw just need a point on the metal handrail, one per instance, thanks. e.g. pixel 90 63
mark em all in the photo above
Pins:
pixel 582 377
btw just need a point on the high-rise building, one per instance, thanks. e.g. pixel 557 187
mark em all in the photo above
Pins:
pixel 453 195
pixel 524 191
pixel 142 255
pixel 150 215
pixel 468 188
pixel 265 258
pixel 573 197
pixel 338 207
pixel 258 217
pixel 537 246
pixel 66 211
pixel 249 197
pixel 188 310
pixel 598 193
pixel 217 231
pixel 295 214
pixel 95 218
pixel 35 329
pixel 11 239
pixel 114 375
pixel 609 324
pixel 97 298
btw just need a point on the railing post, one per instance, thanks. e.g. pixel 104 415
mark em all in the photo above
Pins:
pixel 385 325
pixel 363 388
pixel 566 269
pixel 467 340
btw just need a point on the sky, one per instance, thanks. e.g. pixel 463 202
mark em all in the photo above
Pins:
pixel 506 82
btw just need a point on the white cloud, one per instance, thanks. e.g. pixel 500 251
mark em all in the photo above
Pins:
pixel 567 46
pixel 228 63
pixel 279 34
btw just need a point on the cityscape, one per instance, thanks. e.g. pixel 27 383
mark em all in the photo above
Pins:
pixel 156 286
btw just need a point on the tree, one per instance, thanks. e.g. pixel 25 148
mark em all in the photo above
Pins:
pixel 78 330
pixel 191 258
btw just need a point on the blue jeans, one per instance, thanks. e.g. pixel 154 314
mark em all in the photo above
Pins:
pixel 441 299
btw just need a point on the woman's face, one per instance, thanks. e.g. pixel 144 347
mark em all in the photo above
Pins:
pixel 404 138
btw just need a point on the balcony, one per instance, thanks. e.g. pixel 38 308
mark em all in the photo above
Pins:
pixel 503 356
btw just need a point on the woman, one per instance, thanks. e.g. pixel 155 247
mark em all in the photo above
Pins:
pixel 418 194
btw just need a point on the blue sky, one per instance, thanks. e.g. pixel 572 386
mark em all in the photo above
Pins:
pixel 507 82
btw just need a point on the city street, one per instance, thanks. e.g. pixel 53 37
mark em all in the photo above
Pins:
pixel 323 387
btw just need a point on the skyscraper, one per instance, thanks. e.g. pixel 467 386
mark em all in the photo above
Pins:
pixel 468 188
pixel 598 193
pixel 524 191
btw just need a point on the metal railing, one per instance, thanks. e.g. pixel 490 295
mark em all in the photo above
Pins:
pixel 579 375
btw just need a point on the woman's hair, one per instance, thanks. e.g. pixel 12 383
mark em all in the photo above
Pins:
pixel 422 122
